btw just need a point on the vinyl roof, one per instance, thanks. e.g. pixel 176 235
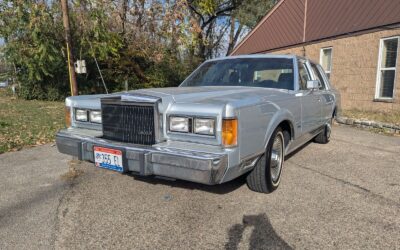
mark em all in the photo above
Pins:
pixel 293 22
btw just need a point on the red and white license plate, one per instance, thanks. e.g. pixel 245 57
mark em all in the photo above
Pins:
pixel 108 158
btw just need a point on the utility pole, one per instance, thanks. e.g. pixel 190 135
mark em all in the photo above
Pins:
pixel 71 70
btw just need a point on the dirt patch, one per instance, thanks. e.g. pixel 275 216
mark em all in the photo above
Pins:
pixel 73 172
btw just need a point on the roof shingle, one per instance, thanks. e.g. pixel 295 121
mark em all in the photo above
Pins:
pixel 293 22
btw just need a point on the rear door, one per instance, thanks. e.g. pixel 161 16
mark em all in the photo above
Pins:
pixel 311 99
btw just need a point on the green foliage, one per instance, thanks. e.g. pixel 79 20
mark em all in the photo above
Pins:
pixel 34 44
pixel 169 71
pixel 251 12
pixel 208 7
pixel 93 34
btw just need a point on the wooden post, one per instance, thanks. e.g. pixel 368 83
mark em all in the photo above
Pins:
pixel 71 70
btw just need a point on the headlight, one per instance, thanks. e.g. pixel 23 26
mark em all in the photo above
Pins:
pixel 95 116
pixel 204 126
pixel 179 124
pixel 81 115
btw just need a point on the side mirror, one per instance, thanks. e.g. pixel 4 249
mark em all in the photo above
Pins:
pixel 312 84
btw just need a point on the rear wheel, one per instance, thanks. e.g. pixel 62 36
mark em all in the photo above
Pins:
pixel 266 175
pixel 325 136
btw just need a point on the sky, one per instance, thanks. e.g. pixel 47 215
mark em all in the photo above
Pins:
pixel 1 41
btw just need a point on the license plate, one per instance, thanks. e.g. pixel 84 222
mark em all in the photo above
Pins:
pixel 108 158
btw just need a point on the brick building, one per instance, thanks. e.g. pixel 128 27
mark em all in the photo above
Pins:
pixel 357 42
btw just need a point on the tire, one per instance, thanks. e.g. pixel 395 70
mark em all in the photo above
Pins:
pixel 266 175
pixel 325 136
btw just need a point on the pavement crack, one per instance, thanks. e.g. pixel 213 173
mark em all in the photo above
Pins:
pixel 348 183
pixel 69 185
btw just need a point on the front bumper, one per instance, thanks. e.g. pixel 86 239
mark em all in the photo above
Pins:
pixel 176 161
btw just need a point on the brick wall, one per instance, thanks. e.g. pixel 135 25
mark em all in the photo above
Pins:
pixel 354 68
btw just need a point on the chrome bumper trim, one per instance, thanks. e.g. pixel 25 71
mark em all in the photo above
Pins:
pixel 206 168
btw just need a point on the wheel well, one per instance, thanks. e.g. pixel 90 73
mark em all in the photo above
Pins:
pixel 287 127
pixel 334 114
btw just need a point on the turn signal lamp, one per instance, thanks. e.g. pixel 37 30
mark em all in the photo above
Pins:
pixel 68 116
pixel 229 132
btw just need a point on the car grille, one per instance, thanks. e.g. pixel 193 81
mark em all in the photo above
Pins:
pixel 130 123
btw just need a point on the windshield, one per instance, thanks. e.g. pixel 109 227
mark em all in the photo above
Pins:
pixel 249 72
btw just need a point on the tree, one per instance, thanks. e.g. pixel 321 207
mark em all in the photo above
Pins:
pixel 213 18
pixel 245 18
pixel 32 33
pixel 208 16
pixel 146 43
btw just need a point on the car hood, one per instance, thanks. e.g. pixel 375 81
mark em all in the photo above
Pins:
pixel 234 97
pixel 215 95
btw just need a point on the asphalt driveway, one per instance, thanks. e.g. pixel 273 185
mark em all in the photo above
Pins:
pixel 345 194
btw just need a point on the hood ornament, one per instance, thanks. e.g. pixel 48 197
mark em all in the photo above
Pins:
pixel 131 97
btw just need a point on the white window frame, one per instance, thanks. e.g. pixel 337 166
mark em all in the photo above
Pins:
pixel 379 69
pixel 320 59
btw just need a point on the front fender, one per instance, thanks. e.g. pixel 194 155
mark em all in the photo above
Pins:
pixel 279 117
pixel 256 125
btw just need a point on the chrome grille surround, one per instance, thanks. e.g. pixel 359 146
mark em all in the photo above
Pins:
pixel 129 121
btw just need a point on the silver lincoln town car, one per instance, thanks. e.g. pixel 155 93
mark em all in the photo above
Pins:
pixel 232 116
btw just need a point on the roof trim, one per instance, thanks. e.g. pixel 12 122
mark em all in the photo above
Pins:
pixel 257 26
pixel 391 26
pixel 254 56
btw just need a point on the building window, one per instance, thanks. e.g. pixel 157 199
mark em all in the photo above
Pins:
pixel 325 60
pixel 387 68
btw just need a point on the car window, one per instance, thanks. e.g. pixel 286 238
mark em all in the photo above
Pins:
pixel 304 76
pixel 248 72
pixel 317 73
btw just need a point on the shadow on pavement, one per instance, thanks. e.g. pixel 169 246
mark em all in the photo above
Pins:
pixel 287 157
pixel 216 189
pixel 27 204
pixel 263 235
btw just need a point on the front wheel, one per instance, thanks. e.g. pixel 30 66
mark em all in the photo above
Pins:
pixel 266 175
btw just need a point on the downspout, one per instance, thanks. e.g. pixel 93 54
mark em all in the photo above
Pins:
pixel 304 27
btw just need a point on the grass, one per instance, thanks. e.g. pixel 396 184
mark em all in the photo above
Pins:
pixel 28 123
pixel 392 118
